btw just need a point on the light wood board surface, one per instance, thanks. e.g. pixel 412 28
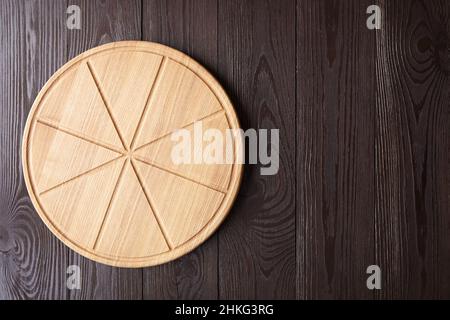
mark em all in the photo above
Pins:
pixel 97 154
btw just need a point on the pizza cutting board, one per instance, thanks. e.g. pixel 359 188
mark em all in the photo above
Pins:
pixel 98 154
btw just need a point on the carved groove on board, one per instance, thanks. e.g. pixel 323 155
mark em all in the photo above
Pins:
pixel 147 101
pixel 155 211
pixel 78 135
pixel 106 104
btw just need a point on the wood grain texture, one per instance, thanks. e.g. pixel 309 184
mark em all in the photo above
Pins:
pixel 190 26
pixel 365 160
pixel 335 138
pixel 32 261
pixel 256 64
pixel 412 149
pixel 103 22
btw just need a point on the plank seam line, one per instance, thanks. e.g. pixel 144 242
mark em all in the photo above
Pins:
pixel 147 102
pixel 152 206
pixel 58 127
pixel 108 209
pixel 107 106
pixel 140 159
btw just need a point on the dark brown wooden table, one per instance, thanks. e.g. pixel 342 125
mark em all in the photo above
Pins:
pixel 364 119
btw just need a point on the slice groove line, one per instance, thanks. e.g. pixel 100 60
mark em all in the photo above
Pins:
pixel 147 101
pixel 183 127
pixel 56 126
pixel 109 204
pixel 81 175
pixel 105 102
pixel 155 213
pixel 140 159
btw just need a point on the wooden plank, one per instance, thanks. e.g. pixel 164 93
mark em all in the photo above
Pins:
pixel 189 26
pixel 413 150
pixel 335 139
pixel 256 64
pixel 103 22
pixel 32 261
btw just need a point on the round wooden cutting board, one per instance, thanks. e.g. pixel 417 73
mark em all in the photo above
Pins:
pixel 98 154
